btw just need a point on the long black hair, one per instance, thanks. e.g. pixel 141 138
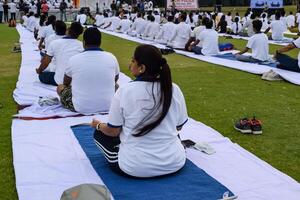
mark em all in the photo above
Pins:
pixel 51 20
pixel 156 70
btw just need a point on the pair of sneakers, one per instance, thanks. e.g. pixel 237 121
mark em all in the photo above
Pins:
pixel 248 126
pixel 271 76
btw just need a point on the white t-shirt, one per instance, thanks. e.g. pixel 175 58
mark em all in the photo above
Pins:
pixel 166 31
pixel 62 50
pixel 139 25
pixel 278 29
pixel 46 32
pixel 249 26
pixel 53 37
pixel 260 47
pixel 297 44
pixel 93 75
pixel 228 19
pixel 12 7
pixel 236 27
pixel 151 30
pixel 81 18
pixel 31 23
pixel 195 33
pixel 125 25
pixel 1 6
pixel 290 20
pixel 160 151
pixel 25 20
pixel 181 35
pixel 115 21
pixel 209 39
pixel 99 20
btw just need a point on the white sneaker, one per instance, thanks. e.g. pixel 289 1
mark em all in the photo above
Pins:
pixel 271 76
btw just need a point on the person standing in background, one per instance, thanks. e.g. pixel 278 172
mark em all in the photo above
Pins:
pixel 12 9
pixel 62 8
pixel 1 10
pixel 5 10
pixel 38 7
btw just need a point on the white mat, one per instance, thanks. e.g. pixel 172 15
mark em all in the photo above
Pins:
pixel 289 76
pixel 48 159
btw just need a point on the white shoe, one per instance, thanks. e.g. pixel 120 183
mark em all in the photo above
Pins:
pixel 271 76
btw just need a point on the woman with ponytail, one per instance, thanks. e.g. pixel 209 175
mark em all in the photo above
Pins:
pixel 141 138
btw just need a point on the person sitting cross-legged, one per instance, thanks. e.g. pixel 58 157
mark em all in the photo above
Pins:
pixel 141 138
pixel 206 42
pixel 61 50
pixel 258 43
pixel 286 62
pixel 90 77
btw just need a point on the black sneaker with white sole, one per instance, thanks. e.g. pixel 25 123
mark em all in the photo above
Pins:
pixel 243 125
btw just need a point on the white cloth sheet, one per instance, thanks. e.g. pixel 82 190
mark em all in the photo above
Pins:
pixel 48 159
pixel 292 77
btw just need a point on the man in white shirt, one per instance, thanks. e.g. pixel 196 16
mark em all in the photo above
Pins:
pixel 47 31
pixel 31 22
pixel 99 19
pixel 181 34
pixel 124 25
pixel 61 50
pixel 12 9
pixel 209 41
pixel 278 28
pixel 290 20
pixel 259 45
pixel 166 31
pixel 249 26
pixel 90 77
pixel 114 22
pixel 60 32
pixel 151 29
pixel 138 26
pixel 286 62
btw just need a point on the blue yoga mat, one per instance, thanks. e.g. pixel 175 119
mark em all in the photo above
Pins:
pixel 230 56
pixel 189 183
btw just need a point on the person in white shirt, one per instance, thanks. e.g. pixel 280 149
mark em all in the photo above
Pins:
pixel 24 20
pixel 124 25
pixel 99 19
pixel 286 62
pixel 81 18
pixel 12 9
pixel 1 11
pixel 47 31
pixel 181 34
pixel 290 20
pixel 195 33
pixel 150 5
pixel 228 19
pixel 236 27
pixel 151 29
pixel 259 45
pixel 61 50
pixel 264 20
pixel 90 77
pixel 156 16
pixel 60 32
pixel 138 26
pixel 248 25
pixel 31 22
pixel 144 120
pixel 166 31
pixel 278 28
pixel 113 23
pixel 209 41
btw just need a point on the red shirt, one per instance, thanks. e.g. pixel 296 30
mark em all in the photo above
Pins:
pixel 45 8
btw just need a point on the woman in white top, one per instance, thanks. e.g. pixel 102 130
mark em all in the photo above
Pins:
pixel 141 138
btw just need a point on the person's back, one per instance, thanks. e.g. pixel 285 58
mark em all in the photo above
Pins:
pixel 260 47
pixel 278 29
pixel 209 39
pixel 114 23
pixel 125 25
pixel 181 34
pixel 93 80
pixel 168 30
pixel 291 20
pixel 12 7
pixel 134 98
pixel 99 19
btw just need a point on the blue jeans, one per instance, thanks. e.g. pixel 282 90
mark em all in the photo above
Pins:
pixel 47 78
pixel 197 50
pixel 1 14
pixel 63 15
pixel 287 63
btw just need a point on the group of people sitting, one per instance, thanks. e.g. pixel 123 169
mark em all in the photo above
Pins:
pixel 142 112
pixel 202 39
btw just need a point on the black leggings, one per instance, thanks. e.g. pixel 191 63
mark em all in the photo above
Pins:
pixel 13 16
pixel 110 148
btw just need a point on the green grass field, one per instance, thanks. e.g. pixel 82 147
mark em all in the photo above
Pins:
pixel 215 95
